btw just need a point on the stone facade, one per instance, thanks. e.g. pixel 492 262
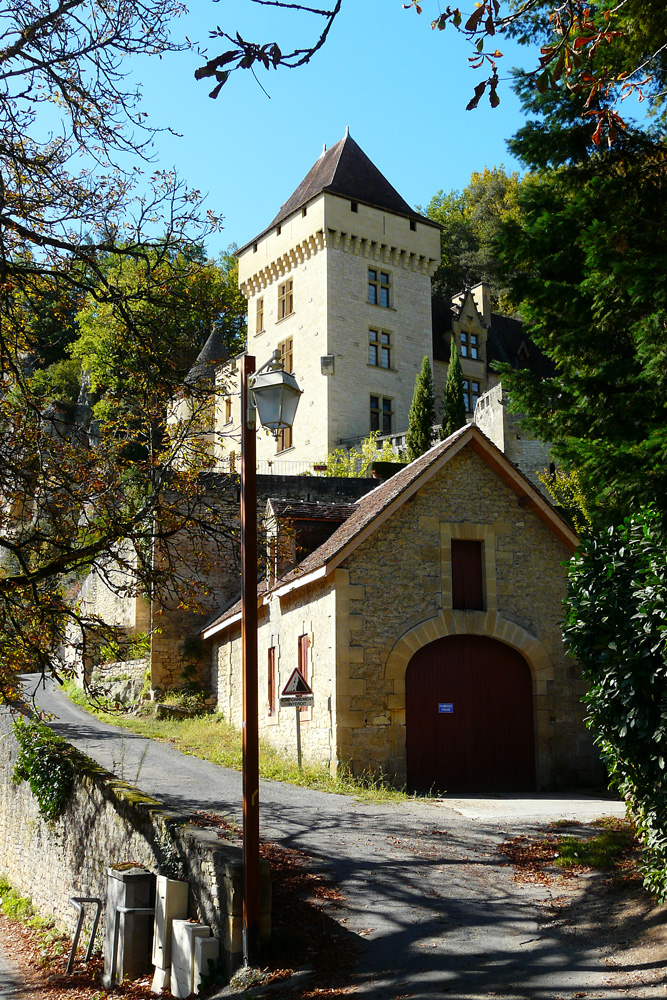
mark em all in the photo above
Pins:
pixel 508 432
pixel 327 254
pixel 366 614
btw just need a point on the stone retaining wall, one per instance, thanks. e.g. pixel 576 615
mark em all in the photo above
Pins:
pixel 108 822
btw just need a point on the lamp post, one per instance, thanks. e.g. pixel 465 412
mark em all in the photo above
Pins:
pixel 272 394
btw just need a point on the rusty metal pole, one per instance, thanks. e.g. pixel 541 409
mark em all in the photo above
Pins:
pixel 250 696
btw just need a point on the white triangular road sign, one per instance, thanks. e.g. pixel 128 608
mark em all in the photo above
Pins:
pixel 296 684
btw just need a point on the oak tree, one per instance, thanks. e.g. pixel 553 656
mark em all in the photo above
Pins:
pixel 75 493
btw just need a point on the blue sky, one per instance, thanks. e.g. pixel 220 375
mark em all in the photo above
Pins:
pixel 399 86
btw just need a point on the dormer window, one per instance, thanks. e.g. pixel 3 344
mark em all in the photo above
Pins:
pixel 470 346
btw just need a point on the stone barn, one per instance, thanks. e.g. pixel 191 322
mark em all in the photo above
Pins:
pixel 428 625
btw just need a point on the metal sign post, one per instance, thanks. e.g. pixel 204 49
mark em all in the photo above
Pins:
pixel 297 694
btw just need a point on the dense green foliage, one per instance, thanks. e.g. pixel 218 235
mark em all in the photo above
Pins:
pixel 106 298
pixel 616 626
pixel 422 414
pixel 453 403
pixel 45 762
pixel 585 261
pixel 150 332
pixel 470 221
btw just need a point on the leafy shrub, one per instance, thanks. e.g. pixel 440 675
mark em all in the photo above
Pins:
pixel 44 761
pixel 616 626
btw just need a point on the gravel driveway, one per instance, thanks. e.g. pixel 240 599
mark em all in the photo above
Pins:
pixel 434 906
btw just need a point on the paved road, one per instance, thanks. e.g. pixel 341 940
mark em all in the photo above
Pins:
pixel 9 979
pixel 426 895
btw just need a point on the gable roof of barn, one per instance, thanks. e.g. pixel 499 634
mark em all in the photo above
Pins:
pixel 375 507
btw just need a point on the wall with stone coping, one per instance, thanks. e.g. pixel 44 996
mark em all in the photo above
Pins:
pixel 109 822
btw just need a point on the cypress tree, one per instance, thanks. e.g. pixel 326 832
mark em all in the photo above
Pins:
pixel 422 414
pixel 453 403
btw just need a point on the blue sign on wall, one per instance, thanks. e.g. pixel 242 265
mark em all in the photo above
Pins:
pixel 446 708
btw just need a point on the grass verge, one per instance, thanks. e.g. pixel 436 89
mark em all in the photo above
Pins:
pixel 19 908
pixel 211 738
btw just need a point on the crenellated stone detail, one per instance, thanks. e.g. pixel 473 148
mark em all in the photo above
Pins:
pixel 360 246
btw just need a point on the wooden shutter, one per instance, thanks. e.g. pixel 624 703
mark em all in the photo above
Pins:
pixel 467 577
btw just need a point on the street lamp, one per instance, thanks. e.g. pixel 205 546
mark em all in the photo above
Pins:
pixel 273 394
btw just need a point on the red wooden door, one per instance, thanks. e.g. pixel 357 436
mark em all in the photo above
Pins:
pixel 469 717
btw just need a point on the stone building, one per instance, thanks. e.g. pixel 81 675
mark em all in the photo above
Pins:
pixel 428 626
pixel 340 283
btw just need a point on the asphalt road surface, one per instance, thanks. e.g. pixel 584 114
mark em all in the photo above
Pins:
pixel 435 911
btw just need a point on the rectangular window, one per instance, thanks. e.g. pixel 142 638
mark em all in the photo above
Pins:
pixel 302 652
pixel 378 287
pixel 382 414
pixel 228 411
pixel 302 660
pixel 259 316
pixel 470 345
pixel 286 299
pixel 379 348
pixel 287 355
pixel 471 394
pixel 284 437
pixel 467 575
pixel 272 682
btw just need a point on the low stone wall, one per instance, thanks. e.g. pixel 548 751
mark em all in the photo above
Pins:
pixel 108 822
pixel 123 681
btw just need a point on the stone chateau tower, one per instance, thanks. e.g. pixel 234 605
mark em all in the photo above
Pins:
pixel 340 281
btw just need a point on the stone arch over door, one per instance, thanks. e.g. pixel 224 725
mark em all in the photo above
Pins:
pixel 481 623
pixel 469 717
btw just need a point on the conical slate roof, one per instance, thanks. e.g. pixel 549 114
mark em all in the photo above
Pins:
pixel 345 170
pixel 213 353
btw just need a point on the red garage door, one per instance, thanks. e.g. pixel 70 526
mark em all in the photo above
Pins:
pixel 469 717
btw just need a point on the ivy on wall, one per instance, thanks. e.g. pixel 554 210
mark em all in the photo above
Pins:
pixel 45 762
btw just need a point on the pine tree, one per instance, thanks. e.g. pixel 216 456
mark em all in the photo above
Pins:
pixel 422 414
pixel 453 402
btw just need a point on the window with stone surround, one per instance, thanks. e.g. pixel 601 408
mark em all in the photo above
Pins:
pixel 228 410
pixel 382 414
pixel 284 436
pixel 272 688
pixel 286 298
pixel 470 346
pixel 379 283
pixel 303 645
pixel 259 315
pixel 379 348
pixel 471 393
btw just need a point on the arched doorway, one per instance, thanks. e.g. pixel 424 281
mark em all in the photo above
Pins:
pixel 469 717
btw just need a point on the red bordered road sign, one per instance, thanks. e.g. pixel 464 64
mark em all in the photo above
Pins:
pixel 297 693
